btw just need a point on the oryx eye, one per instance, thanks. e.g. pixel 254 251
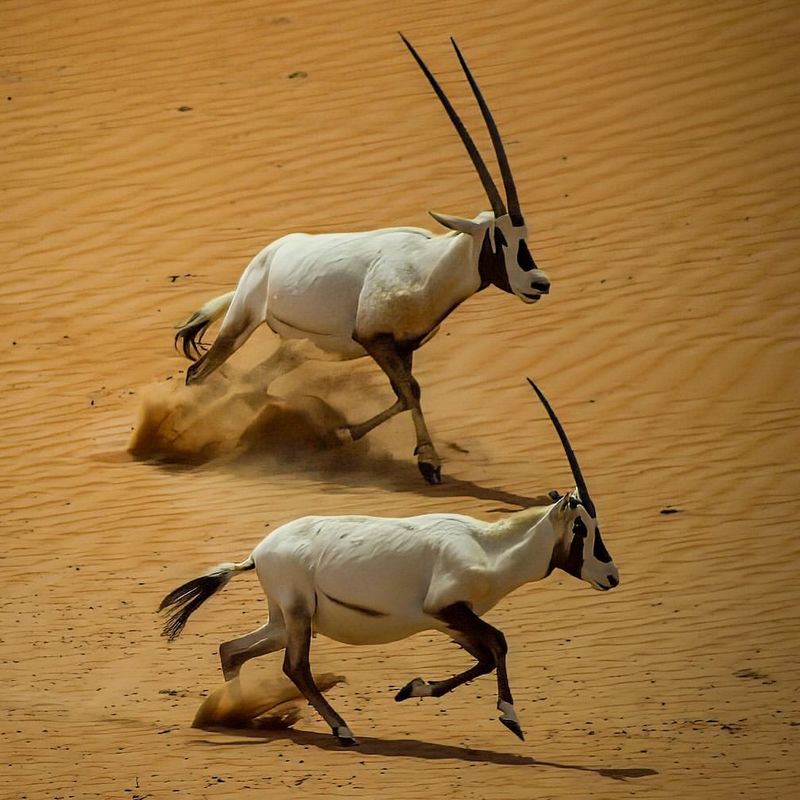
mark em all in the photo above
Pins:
pixel 524 257
pixel 499 239
pixel 578 528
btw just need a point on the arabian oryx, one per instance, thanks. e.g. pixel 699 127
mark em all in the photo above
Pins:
pixel 367 580
pixel 382 293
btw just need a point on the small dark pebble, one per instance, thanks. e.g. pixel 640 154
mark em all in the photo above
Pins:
pixel 184 108
pixel 670 510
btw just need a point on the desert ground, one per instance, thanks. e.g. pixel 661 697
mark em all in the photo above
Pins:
pixel 151 149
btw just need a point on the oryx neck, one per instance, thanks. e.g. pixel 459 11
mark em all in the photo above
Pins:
pixel 520 545
pixel 454 272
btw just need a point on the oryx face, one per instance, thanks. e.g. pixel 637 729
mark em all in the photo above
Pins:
pixel 580 551
pixel 524 278
pixel 505 258
pixel 579 548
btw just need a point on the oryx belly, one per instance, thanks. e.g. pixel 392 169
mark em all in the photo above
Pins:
pixel 359 625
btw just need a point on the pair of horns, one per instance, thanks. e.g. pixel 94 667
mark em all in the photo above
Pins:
pixel 498 207
pixel 583 491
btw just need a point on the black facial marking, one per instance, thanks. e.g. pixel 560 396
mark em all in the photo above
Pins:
pixel 574 561
pixel 369 612
pixel 579 528
pixel 499 240
pixel 524 257
pixel 491 265
pixel 600 552
pixel 571 561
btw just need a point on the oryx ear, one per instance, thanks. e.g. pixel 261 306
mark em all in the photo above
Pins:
pixel 554 495
pixel 457 223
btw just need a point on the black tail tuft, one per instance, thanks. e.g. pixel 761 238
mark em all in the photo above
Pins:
pixel 186 599
pixel 191 336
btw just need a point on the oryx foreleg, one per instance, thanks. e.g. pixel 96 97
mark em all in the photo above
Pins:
pixel 488 645
pixel 396 361
pixel 297 667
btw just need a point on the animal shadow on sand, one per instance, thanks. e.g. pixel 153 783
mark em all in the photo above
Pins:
pixel 297 435
pixel 415 748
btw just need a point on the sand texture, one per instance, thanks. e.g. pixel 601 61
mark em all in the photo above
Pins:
pixel 149 150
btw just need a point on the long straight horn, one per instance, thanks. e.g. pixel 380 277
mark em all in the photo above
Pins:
pixel 500 151
pixel 480 165
pixel 583 492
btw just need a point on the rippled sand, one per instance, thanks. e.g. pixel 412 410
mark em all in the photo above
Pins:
pixel 148 153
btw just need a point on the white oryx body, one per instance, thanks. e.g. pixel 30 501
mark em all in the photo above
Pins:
pixel 368 580
pixel 334 289
pixel 372 580
pixel 381 293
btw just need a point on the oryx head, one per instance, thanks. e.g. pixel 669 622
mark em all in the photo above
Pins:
pixel 579 548
pixel 505 259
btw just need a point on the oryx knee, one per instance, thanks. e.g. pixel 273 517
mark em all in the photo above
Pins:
pixel 499 644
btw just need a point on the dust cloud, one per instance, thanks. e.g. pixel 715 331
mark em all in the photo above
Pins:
pixel 194 425
pixel 258 702
pixel 236 419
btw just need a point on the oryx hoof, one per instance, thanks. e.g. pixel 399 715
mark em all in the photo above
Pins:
pixel 514 727
pixel 415 688
pixel 352 433
pixel 344 435
pixel 431 473
pixel 191 373
pixel 508 716
pixel 345 737
pixel 429 463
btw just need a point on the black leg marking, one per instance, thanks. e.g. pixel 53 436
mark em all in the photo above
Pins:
pixel 297 667
pixel 488 646
pixel 396 362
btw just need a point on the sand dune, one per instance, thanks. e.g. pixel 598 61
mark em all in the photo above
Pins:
pixel 149 152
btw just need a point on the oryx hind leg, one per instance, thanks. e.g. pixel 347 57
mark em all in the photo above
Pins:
pixel 238 325
pixel 297 667
pixel 216 355
pixel 396 361
pixel 255 384
pixel 357 431
pixel 488 645
pixel 234 654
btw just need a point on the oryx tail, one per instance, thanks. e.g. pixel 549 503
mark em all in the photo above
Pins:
pixel 186 599
pixel 192 331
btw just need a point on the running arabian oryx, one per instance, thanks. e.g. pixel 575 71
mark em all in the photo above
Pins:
pixel 368 580
pixel 382 293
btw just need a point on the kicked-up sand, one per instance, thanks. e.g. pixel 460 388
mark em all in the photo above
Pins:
pixel 151 149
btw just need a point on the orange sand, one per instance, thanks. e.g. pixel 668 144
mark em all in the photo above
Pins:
pixel 655 149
